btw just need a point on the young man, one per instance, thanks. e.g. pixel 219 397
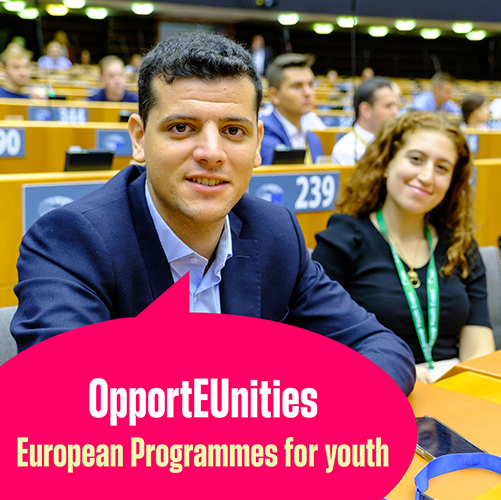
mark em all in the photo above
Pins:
pixel 375 101
pixel 15 63
pixel 440 97
pixel 290 87
pixel 112 253
pixel 113 80
pixel 54 61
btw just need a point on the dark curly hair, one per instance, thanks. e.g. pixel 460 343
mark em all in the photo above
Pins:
pixel 365 191
pixel 194 55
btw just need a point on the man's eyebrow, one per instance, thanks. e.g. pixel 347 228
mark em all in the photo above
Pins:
pixel 237 119
pixel 227 119
pixel 178 118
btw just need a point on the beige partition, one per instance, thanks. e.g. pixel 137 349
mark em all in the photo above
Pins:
pixel 98 111
pixel 47 142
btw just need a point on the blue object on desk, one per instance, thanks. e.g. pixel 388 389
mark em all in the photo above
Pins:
pixel 451 463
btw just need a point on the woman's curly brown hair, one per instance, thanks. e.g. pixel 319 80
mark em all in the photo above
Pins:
pixel 365 191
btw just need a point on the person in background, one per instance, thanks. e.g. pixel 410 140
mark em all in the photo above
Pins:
pixel 261 55
pixel 332 77
pixel 290 88
pixel 374 102
pixel 85 58
pixel 66 49
pixel 15 63
pixel 367 74
pixel 113 80
pixel 54 61
pixel 405 236
pixel 440 97
pixel 475 110
pixel 135 63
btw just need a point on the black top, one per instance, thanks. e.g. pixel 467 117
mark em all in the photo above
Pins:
pixel 354 252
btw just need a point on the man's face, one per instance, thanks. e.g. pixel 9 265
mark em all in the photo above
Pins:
pixel 113 78
pixel 17 70
pixel 257 43
pixel 386 105
pixel 296 95
pixel 54 50
pixel 443 92
pixel 201 143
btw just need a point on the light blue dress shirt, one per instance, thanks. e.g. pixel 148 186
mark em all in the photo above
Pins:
pixel 426 102
pixel 204 289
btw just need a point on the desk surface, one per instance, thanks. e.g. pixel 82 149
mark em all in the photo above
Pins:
pixel 489 364
pixel 474 418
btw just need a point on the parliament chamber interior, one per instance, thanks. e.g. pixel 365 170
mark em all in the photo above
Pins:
pixel 64 132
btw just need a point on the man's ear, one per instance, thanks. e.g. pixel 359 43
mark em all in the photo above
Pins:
pixel 260 133
pixel 136 132
pixel 364 110
pixel 273 95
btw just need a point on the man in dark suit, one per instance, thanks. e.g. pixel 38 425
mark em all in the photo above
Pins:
pixel 261 55
pixel 110 254
pixel 290 88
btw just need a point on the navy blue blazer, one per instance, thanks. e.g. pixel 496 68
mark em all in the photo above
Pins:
pixel 274 134
pixel 100 258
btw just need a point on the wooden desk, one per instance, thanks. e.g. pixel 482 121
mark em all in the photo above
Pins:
pixel 488 201
pixel 97 111
pixel 475 384
pixel 47 142
pixel 489 365
pixel 475 419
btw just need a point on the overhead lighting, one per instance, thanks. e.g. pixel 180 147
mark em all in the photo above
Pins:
pixel 142 9
pixel 96 12
pixel 347 22
pixel 430 34
pixel 14 6
pixel 74 4
pixel 288 19
pixel 31 13
pixel 462 28
pixel 378 31
pixel 56 9
pixel 323 28
pixel 405 25
pixel 477 35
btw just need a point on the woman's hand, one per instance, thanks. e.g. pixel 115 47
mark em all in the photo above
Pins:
pixel 423 374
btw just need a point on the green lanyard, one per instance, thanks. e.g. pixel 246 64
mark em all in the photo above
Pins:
pixel 411 295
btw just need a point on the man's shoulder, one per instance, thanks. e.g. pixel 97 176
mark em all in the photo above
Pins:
pixel 11 95
pixel 129 97
pixel 345 141
pixel 98 96
pixel 113 191
pixel 424 102
pixel 270 122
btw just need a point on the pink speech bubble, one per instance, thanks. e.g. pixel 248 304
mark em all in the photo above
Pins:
pixel 47 400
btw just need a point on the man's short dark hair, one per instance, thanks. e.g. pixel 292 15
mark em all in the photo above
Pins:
pixel 194 55
pixel 366 92
pixel 470 103
pixel 275 71
pixel 438 79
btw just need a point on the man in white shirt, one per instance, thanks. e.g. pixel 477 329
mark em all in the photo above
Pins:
pixel 375 101
pixel 290 88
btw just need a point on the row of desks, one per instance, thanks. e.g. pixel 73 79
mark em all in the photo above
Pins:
pixel 311 216
pixel 44 143
pixel 463 407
